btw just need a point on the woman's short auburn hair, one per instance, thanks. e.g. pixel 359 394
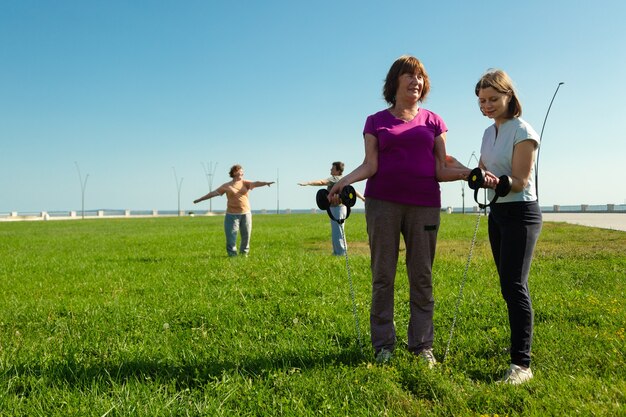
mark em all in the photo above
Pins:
pixel 502 83
pixel 406 64
pixel 234 169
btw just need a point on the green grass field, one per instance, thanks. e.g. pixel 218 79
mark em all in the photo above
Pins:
pixel 148 317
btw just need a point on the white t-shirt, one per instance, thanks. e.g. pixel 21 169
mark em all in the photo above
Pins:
pixel 331 181
pixel 496 153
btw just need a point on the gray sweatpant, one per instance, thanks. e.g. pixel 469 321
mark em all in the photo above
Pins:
pixel 386 221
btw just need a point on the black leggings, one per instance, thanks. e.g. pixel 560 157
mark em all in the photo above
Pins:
pixel 513 232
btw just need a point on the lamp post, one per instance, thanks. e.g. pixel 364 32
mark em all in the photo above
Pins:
pixel 541 139
pixel 209 172
pixel 277 192
pixel 83 185
pixel 473 155
pixel 178 187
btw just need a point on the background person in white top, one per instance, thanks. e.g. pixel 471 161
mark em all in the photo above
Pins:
pixel 339 211
pixel 509 147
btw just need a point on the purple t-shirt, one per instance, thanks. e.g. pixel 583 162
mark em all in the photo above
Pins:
pixel 406 158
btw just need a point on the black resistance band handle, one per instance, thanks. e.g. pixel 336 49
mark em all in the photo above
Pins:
pixel 347 197
pixel 476 180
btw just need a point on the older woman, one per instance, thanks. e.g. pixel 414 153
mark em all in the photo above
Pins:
pixel 238 214
pixel 405 158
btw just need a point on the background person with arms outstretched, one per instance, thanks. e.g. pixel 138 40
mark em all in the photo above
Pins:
pixel 405 158
pixel 339 211
pixel 509 147
pixel 238 214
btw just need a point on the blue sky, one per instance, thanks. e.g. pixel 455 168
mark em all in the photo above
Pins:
pixel 133 91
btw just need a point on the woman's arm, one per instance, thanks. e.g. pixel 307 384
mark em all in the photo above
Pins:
pixel 490 180
pixel 260 184
pixel 447 168
pixel 452 162
pixel 316 182
pixel 206 196
pixel 368 168
pixel 522 163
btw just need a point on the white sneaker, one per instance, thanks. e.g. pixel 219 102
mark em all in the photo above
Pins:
pixel 517 375
pixel 428 356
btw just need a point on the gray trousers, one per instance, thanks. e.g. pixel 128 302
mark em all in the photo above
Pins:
pixel 386 221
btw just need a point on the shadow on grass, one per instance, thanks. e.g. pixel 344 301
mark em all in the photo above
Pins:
pixel 184 375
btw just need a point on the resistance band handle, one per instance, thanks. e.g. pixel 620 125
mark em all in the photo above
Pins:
pixel 347 197
pixel 476 180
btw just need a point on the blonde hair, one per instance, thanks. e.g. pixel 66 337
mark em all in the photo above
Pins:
pixel 502 83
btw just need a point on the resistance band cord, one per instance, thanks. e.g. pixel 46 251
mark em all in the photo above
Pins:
pixel 354 312
pixel 458 301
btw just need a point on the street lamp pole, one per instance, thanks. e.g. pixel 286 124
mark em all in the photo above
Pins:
pixel 209 172
pixel 178 187
pixel 541 139
pixel 277 191
pixel 473 155
pixel 83 185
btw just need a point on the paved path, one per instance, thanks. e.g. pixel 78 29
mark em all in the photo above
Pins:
pixel 615 221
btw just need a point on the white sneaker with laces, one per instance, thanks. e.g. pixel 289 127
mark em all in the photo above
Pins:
pixel 429 357
pixel 517 375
